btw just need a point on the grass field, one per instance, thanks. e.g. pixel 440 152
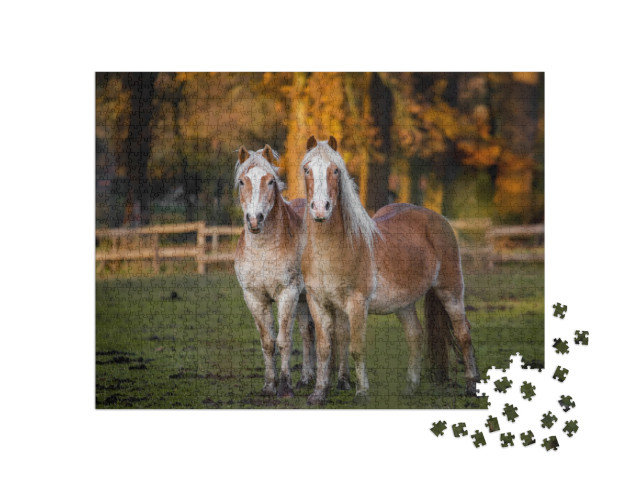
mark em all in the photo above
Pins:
pixel 202 350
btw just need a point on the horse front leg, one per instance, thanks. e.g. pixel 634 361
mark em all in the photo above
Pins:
pixel 342 343
pixel 287 302
pixel 260 308
pixel 356 310
pixel 323 323
pixel 307 332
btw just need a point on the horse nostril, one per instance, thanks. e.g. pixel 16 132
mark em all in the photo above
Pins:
pixel 313 205
pixel 327 205
pixel 260 217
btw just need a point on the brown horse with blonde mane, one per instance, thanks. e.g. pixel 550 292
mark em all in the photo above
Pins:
pixel 355 265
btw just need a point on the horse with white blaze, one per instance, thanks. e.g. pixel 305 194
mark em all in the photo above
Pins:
pixel 354 265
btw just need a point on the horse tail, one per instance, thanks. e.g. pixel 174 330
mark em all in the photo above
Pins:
pixel 439 338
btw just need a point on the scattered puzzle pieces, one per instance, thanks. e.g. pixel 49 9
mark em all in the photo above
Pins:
pixel 559 310
pixel 570 427
pixel 551 443
pixel 582 337
pixel 561 374
pixel 439 428
pixel 528 390
pixel 493 424
pixel 507 439
pixel 548 420
pixel 502 385
pixel 511 412
pixel 567 403
pixel 561 347
pixel 527 438
pixel 478 439
pixel 459 430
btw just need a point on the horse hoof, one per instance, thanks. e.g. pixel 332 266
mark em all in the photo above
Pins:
pixel 471 389
pixel 268 391
pixel 343 385
pixel 285 391
pixel 302 383
pixel 410 389
pixel 362 398
pixel 316 399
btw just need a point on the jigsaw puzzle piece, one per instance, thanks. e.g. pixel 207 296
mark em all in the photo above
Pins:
pixel 478 439
pixel 459 430
pixel 561 374
pixel 439 428
pixel 527 438
pixel 507 439
pixel 548 420
pixel 528 390
pixel 582 337
pixel 567 403
pixel 551 443
pixel 559 310
pixel 570 427
pixel 511 412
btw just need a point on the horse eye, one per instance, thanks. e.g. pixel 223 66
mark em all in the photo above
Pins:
pixel 306 171
pixel 335 172
pixel 270 182
pixel 241 183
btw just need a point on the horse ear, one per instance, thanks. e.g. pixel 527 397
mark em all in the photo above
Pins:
pixel 311 143
pixel 267 153
pixel 333 143
pixel 243 154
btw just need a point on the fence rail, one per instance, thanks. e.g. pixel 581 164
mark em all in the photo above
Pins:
pixel 483 250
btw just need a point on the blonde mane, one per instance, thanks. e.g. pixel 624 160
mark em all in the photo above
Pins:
pixel 356 220
pixel 256 159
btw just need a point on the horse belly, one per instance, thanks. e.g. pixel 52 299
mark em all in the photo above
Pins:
pixel 405 270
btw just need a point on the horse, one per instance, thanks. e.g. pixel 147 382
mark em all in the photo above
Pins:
pixel 355 265
pixel 267 265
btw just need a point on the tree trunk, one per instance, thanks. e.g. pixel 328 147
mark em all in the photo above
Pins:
pixel 138 148
pixel 297 134
pixel 381 117
pixel 518 126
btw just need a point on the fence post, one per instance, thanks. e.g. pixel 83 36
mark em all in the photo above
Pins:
pixel 155 240
pixel 490 239
pixel 201 245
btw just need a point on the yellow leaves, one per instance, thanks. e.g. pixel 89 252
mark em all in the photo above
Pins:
pixel 479 153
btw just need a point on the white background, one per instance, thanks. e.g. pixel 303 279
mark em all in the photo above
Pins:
pixel 49 426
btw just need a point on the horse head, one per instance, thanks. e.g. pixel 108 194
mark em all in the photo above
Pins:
pixel 258 185
pixel 322 178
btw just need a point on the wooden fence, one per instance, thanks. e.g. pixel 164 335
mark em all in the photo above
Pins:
pixel 485 239
pixel 157 254
pixel 478 239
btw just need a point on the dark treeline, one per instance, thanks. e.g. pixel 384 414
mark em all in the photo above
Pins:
pixel 463 144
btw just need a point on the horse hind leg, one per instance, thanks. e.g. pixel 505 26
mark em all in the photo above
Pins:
pixel 307 332
pixel 454 306
pixel 413 332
